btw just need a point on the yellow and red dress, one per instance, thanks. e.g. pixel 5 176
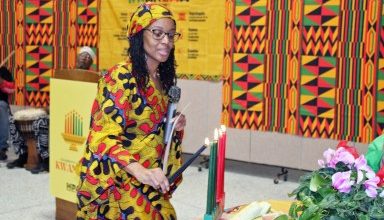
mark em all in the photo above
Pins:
pixel 126 126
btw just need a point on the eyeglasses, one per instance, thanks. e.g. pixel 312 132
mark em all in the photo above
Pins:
pixel 158 34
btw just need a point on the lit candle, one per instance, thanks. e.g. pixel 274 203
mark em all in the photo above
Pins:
pixel 224 140
pixel 210 189
pixel 220 167
pixel 186 164
pixel 211 195
pixel 215 141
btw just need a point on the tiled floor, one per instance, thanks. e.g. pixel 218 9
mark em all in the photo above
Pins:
pixel 26 196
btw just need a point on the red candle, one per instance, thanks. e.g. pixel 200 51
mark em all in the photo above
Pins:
pixel 224 139
pixel 220 167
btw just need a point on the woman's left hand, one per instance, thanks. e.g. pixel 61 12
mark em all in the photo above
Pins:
pixel 181 122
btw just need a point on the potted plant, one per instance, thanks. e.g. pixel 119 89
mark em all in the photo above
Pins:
pixel 345 187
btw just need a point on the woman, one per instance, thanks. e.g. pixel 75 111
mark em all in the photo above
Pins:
pixel 120 173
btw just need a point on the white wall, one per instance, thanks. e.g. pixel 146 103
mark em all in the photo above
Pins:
pixel 203 116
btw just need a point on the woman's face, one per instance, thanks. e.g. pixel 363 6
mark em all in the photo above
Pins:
pixel 158 50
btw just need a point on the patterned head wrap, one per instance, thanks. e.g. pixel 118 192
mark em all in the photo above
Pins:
pixel 145 15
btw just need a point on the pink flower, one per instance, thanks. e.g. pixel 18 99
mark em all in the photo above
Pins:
pixel 332 157
pixel 328 155
pixel 350 149
pixel 342 181
pixel 321 163
pixel 361 163
pixel 363 168
pixel 371 186
pixel 341 155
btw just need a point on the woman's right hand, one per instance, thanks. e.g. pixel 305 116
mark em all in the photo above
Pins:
pixel 153 177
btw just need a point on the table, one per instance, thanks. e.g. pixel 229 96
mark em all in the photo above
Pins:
pixel 277 205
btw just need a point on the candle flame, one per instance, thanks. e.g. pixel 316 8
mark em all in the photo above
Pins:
pixel 216 134
pixel 206 141
pixel 223 128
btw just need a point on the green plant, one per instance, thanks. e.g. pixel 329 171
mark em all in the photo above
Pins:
pixel 345 187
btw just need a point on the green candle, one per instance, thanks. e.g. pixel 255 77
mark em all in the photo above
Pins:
pixel 75 116
pixel 81 127
pixel 78 124
pixel 210 181
pixel 214 146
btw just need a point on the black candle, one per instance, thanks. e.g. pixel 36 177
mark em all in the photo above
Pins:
pixel 186 164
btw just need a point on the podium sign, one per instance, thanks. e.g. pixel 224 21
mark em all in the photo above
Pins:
pixel 70 110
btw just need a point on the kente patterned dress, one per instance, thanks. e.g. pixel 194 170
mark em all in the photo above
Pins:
pixel 126 127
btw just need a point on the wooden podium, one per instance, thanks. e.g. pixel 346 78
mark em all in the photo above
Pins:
pixel 77 75
pixel 66 210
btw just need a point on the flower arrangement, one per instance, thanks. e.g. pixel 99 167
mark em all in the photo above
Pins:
pixel 345 187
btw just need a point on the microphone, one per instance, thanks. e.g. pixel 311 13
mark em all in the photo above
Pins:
pixel 173 98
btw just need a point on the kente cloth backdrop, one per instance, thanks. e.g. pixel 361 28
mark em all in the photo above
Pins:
pixel 199 51
pixel 305 67
pixel 45 35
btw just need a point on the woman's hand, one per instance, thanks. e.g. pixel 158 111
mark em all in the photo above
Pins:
pixel 153 177
pixel 181 122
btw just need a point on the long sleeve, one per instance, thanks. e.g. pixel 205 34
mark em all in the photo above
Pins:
pixel 107 150
pixel 109 120
pixel 375 154
pixel 7 87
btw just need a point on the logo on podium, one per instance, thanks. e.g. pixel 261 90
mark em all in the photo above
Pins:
pixel 73 130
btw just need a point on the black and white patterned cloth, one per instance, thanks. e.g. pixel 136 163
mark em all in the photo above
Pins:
pixel 16 138
pixel 40 128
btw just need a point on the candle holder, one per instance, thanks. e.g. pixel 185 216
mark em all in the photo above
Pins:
pixel 216 213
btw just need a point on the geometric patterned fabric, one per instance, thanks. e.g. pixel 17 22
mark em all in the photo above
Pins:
pixel 303 67
pixel 45 35
pixel 309 68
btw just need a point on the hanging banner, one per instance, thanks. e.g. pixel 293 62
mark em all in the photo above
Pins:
pixel 199 52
